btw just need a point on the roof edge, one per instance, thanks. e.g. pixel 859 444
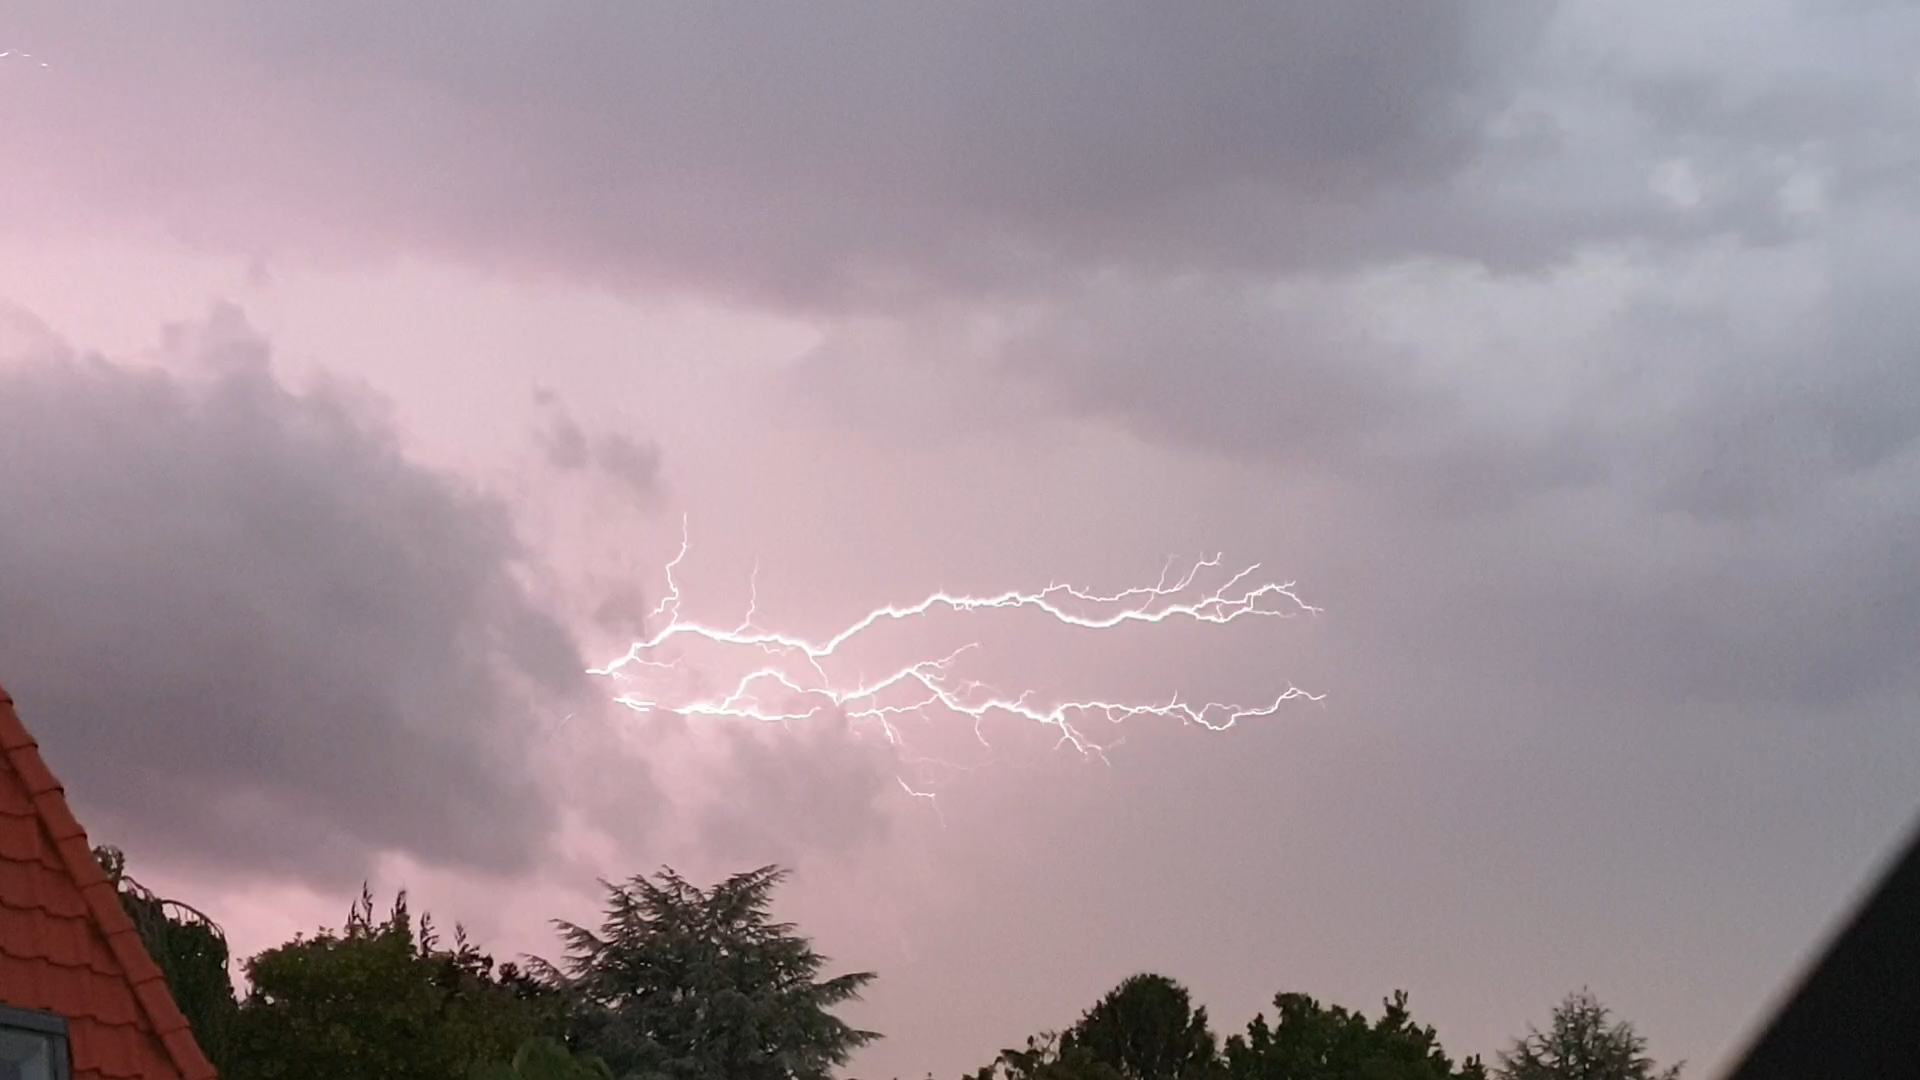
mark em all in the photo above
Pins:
pixel 144 978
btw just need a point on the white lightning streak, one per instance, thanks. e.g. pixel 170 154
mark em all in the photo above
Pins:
pixel 917 688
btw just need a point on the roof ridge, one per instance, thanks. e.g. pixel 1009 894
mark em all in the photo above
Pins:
pixel 69 840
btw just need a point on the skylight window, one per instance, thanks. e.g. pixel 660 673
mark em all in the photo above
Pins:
pixel 33 1045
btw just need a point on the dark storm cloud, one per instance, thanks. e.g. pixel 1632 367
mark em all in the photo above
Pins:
pixel 801 154
pixel 631 463
pixel 1793 151
pixel 1739 530
pixel 247 628
pixel 563 441
pixel 1768 426
pixel 1642 617
pixel 1288 375
pixel 1716 507
pixel 1213 365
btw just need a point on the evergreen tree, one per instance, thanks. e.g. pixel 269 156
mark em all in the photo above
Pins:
pixel 686 983
pixel 1582 1044
pixel 542 1058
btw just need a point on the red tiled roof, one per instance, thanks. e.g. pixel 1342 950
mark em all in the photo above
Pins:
pixel 66 944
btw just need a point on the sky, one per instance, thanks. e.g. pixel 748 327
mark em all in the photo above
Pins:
pixel 362 364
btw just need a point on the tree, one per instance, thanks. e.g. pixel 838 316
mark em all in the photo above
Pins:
pixel 687 983
pixel 1582 1045
pixel 380 998
pixel 189 948
pixel 1147 1029
pixel 1311 1041
pixel 542 1058
pixel 1046 1058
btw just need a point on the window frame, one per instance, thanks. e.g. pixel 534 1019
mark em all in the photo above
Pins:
pixel 52 1025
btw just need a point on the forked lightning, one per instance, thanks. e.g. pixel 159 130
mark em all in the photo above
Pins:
pixel 794 670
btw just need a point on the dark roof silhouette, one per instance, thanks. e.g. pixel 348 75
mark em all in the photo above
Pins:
pixel 1856 1012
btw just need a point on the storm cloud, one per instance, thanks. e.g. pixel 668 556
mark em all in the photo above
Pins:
pixel 816 158
pixel 250 631
pixel 632 464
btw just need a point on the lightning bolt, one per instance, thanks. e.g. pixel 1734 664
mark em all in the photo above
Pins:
pixel 794 668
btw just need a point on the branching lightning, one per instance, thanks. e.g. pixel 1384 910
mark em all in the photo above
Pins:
pixel 794 670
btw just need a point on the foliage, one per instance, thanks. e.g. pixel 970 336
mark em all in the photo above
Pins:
pixel 547 1003
pixel 189 948
pixel 1147 1029
pixel 684 983
pixel 1582 1044
pixel 695 984
pixel 380 998
pixel 542 1058
pixel 1046 1057
pixel 1311 1041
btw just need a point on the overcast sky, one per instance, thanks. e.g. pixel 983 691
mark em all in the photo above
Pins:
pixel 359 364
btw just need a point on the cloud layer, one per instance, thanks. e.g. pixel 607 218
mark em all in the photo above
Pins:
pixel 1567 356
pixel 816 158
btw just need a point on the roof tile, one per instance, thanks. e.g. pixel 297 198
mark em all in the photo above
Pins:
pixel 64 984
pixel 104 905
pixel 14 802
pixel 118 1006
pixel 58 819
pixel 100 956
pixel 20 931
pixel 66 943
pixel 134 961
pixel 56 898
pixel 13 736
pixel 19 836
pixel 154 997
pixel 193 1060
pixel 19 884
pixel 30 886
pixel 32 771
pixel 20 982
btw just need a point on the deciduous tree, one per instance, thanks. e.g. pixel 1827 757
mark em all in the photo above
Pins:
pixel 1311 1041
pixel 1147 1029
pixel 1045 1058
pixel 381 998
